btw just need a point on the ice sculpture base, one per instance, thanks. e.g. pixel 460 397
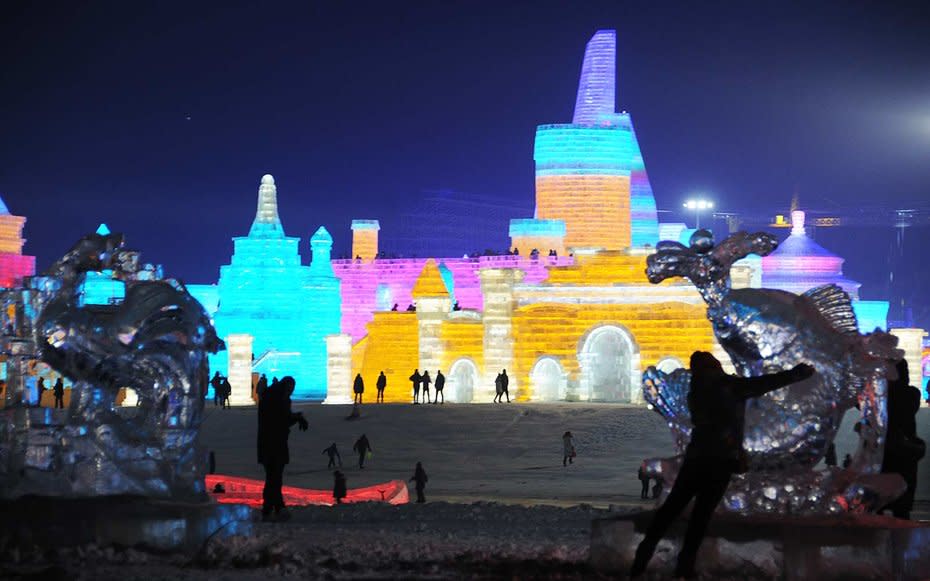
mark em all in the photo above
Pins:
pixel 818 547
pixel 126 521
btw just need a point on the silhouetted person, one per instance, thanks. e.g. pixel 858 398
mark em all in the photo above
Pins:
pixel 505 383
pixel 227 391
pixel 362 446
pixel 568 448
pixel 847 461
pixel 425 380
pixel 216 382
pixel 40 387
pixel 440 384
pixel 394 308
pixel 334 456
pixel 275 419
pixel 644 482
pixel 59 390
pixel 717 402
pixel 516 251
pixel 498 388
pixel 411 308
pixel 358 388
pixel 830 457
pixel 339 486
pixel 381 384
pixel 903 449
pixel 456 306
pixel 420 479
pixel 415 380
pixel 262 385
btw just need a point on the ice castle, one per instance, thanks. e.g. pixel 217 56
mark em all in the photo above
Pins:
pixel 14 265
pixel 271 308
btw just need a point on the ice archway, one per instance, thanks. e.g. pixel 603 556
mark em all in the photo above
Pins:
pixel 463 377
pixel 609 361
pixel 548 380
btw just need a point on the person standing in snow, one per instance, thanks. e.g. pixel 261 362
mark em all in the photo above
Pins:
pixel 568 448
pixel 420 478
pixel 381 384
pixel 415 380
pixel 362 446
pixel 425 380
pixel 717 402
pixel 498 388
pixel 275 419
pixel 505 383
pixel 340 488
pixel 358 387
pixel 644 481
pixel 59 391
pixel 440 384
pixel 217 383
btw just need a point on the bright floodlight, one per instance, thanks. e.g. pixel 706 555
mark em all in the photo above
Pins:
pixel 698 205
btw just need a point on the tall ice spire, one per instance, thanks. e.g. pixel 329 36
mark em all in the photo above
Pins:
pixel 267 223
pixel 597 89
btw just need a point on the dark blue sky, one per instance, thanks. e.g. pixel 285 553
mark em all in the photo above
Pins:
pixel 357 107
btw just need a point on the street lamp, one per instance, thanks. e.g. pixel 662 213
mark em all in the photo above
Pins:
pixel 698 205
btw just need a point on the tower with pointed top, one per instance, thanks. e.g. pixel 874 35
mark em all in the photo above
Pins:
pixel 590 173
pixel 14 265
pixel 288 308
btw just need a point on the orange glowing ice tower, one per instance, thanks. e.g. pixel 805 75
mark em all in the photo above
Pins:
pixel 583 169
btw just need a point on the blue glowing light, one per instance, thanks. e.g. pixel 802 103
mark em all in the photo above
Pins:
pixel 287 307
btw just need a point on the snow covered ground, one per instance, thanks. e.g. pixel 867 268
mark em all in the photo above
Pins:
pixel 501 505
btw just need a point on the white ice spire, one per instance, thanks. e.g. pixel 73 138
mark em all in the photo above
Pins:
pixel 597 88
pixel 267 222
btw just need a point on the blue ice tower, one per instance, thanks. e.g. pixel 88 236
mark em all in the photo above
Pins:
pixel 266 292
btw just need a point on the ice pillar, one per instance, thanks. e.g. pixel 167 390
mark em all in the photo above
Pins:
pixel 497 287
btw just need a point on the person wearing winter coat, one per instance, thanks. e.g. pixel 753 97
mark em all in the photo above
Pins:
pixel 717 402
pixel 425 380
pixel 415 380
pixel 40 387
pixel 362 447
pixel 340 488
pixel 334 456
pixel 381 384
pixel 358 388
pixel 439 385
pixel 59 390
pixel 498 388
pixel 217 383
pixel 903 448
pixel 505 383
pixel 644 481
pixel 275 419
pixel 568 448
pixel 420 479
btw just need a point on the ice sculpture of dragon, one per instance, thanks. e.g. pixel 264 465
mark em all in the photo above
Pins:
pixel 787 431
pixel 155 341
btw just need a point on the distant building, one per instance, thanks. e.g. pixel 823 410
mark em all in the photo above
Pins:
pixel 14 265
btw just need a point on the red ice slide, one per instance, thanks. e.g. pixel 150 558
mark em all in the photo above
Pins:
pixel 249 491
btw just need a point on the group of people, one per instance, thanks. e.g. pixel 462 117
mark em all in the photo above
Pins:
pixel 58 390
pixel 421 383
pixel 358 388
pixel 222 389
pixel 644 480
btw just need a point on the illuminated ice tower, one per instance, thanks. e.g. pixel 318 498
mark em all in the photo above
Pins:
pixel 14 265
pixel 590 173
pixel 286 307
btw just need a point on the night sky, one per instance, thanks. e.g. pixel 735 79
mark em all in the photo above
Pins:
pixel 159 118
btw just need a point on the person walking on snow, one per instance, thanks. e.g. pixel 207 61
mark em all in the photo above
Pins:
pixel 334 456
pixel 420 478
pixel 644 481
pixel 568 448
pixel 362 446
pixel 505 382
pixel 498 389
pixel 217 383
pixel 275 419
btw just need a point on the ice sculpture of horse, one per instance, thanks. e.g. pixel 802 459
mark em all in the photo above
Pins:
pixel 154 341
pixel 787 431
